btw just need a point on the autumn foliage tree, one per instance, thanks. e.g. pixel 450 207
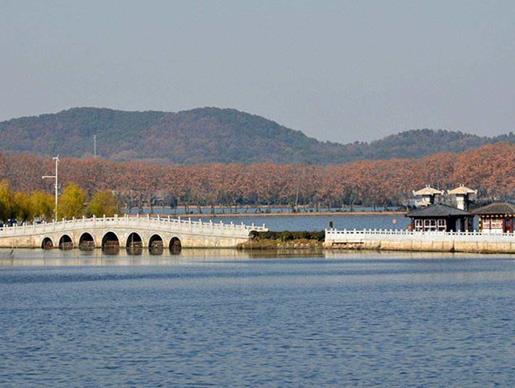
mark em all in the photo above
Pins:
pixel 490 169
pixel 42 205
pixel 72 202
pixel 6 200
pixel 103 203
pixel 22 208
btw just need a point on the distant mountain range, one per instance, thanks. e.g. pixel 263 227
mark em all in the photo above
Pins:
pixel 210 135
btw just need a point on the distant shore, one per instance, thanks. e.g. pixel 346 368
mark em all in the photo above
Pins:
pixel 284 214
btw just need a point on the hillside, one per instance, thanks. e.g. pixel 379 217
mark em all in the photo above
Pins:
pixel 209 135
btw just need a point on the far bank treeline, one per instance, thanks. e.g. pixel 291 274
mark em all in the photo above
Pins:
pixel 490 169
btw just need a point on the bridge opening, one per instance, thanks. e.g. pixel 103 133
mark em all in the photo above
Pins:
pixel 110 243
pixel 65 242
pixel 134 244
pixel 86 242
pixel 175 246
pixel 47 243
pixel 155 245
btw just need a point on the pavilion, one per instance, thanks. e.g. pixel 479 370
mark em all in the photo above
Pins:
pixel 463 196
pixel 497 217
pixel 427 195
pixel 440 218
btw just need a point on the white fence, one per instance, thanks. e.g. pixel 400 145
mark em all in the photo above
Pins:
pixel 158 223
pixel 345 235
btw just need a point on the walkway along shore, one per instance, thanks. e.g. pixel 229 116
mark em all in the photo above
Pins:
pixel 404 240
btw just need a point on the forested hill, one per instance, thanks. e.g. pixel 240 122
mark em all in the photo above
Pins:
pixel 207 135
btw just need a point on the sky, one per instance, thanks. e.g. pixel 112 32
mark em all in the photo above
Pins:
pixel 337 70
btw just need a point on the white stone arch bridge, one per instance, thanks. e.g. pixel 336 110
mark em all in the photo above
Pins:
pixel 127 231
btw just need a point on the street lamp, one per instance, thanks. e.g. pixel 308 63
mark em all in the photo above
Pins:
pixel 56 158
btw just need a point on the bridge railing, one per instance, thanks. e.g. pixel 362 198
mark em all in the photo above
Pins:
pixel 398 234
pixel 165 223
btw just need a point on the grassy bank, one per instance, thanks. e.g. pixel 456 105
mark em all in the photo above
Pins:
pixel 285 240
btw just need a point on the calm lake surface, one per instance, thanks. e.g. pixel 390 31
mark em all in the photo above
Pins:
pixel 229 318
pixel 318 222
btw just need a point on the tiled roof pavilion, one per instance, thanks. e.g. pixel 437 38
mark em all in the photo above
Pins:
pixel 504 208
pixel 438 210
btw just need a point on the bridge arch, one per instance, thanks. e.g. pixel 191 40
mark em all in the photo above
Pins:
pixel 110 241
pixel 134 244
pixel 134 240
pixel 175 246
pixel 155 244
pixel 65 242
pixel 47 243
pixel 86 241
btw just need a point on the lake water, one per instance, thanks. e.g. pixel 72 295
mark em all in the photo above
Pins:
pixel 319 222
pixel 230 318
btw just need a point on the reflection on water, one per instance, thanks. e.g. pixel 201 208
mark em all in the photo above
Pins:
pixel 131 256
pixel 159 256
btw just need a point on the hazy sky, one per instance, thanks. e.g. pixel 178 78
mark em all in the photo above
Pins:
pixel 337 70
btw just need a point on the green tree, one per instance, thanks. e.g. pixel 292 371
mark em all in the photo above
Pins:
pixel 6 201
pixel 22 207
pixel 42 205
pixel 71 202
pixel 103 202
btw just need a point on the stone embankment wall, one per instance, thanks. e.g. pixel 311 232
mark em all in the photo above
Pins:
pixel 418 241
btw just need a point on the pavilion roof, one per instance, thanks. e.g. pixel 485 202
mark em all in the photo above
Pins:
pixel 495 208
pixel 461 190
pixel 428 190
pixel 438 210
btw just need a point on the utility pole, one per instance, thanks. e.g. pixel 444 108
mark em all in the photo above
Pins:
pixel 94 146
pixel 56 177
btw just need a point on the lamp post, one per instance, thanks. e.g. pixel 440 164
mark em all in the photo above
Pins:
pixel 56 177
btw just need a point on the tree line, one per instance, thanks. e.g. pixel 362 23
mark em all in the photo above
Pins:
pixel 22 206
pixel 490 169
